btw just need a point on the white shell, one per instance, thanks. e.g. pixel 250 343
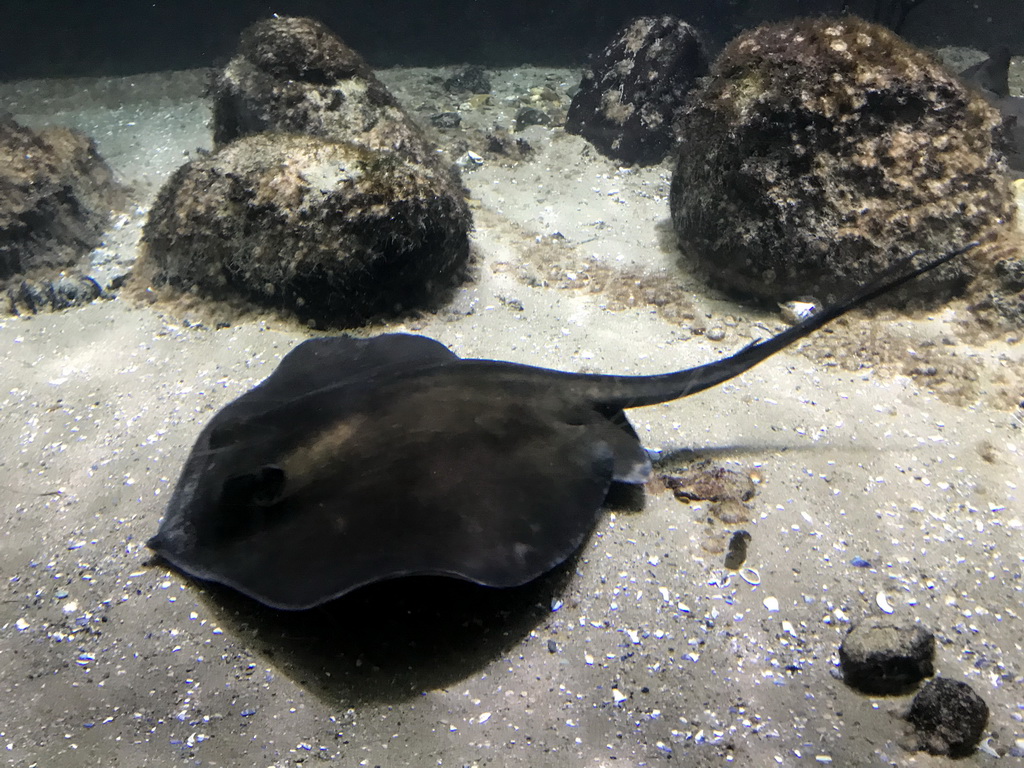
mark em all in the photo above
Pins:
pixel 771 603
pixel 882 601
pixel 795 311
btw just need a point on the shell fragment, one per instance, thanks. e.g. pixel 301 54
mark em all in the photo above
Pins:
pixel 882 601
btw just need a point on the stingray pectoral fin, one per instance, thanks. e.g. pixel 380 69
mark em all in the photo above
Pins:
pixel 491 492
pixel 532 519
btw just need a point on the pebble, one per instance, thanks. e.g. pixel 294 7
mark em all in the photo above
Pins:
pixel 771 603
pixel 883 656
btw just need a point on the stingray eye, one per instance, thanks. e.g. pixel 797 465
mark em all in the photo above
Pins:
pixel 262 488
pixel 270 486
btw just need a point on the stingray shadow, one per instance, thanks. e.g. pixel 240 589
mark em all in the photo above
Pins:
pixel 674 456
pixel 392 641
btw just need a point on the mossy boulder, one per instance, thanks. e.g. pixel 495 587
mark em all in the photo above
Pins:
pixel 294 75
pixel 333 232
pixel 323 198
pixel 821 151
pixel 56 198
pixel 634 91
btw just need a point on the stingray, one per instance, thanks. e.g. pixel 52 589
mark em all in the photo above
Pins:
pixel 364 459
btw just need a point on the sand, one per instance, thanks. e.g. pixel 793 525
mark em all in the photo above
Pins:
pixel 893 439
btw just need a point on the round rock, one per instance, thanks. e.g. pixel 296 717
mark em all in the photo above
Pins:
pixel 949 718
pixel 331 231
pixel 294 75
pixel 820 151
pixel 56 196
pixel 633 91
pixel 883 656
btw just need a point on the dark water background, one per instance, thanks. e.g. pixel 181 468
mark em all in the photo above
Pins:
pixel 62 38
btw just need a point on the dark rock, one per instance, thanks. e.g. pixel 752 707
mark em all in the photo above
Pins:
pixel 56 198
pixel 531 116
pixel 501 142
pixel 736 554
pixel 710 483
pixel 471 79
pixel 1011 273
pixel 632 93
pixel 823 150
pixel 949 718
pixel 66 291
pixel 882 656
pixel 293 75
pixel 332 231
pixel 446 120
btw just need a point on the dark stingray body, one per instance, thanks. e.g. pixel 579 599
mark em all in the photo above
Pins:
pixel 360 460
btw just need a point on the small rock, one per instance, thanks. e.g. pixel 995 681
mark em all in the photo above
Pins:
pixel 471 79
pixel 447 120
pixel 531 116
pixel 634 91
pixel 500 142
pixel 66 291
pixel 882 656
pixel 716 333
pixel 948 718
pixel 737 554
pixel 707 482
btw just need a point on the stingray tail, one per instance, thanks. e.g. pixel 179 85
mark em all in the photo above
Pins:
pixel 640 391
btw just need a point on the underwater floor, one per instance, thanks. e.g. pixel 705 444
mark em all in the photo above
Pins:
pixel 886 439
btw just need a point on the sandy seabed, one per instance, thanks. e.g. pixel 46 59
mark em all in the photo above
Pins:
pixel 886 438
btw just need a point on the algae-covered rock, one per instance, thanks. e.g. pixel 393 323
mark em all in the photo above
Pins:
pixel 821 151
pixel 294 75
pixel 634 90
pixel 883 656
pixel 56 197
pixel 948 717
pixel 323 199
pixel 332 231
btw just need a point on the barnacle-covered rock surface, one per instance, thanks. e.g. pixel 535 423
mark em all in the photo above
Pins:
pixel 634 90
pixel 823 150
pixel 323 199
pixel 56 197
pixel 331 231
